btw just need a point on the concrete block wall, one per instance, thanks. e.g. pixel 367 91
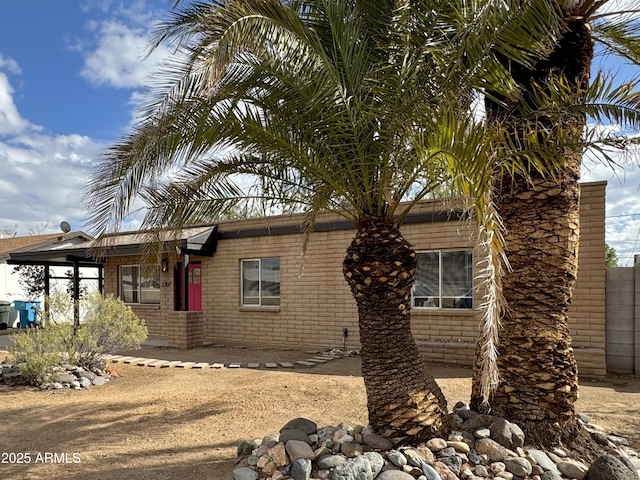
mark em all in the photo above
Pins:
pixel 185 329
pixel 587 311
pixel 623 319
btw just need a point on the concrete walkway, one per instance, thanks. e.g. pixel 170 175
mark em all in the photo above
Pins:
pixel 155 363
pixel 6 342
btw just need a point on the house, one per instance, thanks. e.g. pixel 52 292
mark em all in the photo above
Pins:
pixel 246 281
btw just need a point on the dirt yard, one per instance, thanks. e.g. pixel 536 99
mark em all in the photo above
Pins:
pixel 186 424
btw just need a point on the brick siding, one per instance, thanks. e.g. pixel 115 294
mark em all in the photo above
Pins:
pixel 316 304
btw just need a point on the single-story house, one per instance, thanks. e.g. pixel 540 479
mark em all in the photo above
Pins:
pixel 246 281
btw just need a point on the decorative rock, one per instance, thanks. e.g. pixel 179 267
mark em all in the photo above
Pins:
pixel 436 444
pixel 417 457
pixel 542 459
pixel 278 454
pixel 481 471
pixel 444 471
pixel 506 433
pixel 301 469
pixel 573 469
pixel 493 449
pixel 99 381
pixel 459 446
pixel 497 467
pixel 349 449
pixel 85 382
pixel 559 452
pixel 455 421
pixel 376 462
pixel 453 463
pixel 475 458
pixel 378 442
pixel 554 458
pixel 294 434
pixel 397 475
pixel 270 440
pixel 397 458
pixel 357 469
pixel 245 473
pixel 551 475
pixel 608 467
pixel 447 452
pixel 362 468
pixel 518 466
pixel 87 374
pixel 307 426
pixel 505 475
pixel 63 377
pixel 298 449
pixel 617 440
pixel 327 462
pixel 319 452
pixel 430 472
pixel 466 414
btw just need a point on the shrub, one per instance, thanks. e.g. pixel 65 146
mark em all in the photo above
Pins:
pixel 37 350
pixel 109 326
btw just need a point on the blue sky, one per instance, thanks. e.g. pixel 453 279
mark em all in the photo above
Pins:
pixel 71 75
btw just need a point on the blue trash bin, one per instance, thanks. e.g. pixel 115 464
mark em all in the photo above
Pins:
pixel 27 312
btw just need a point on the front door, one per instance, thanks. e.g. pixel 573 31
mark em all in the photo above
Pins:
pixel 194 287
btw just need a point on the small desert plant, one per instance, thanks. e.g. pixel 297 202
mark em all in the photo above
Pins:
pixel 37 350
pixel 109 325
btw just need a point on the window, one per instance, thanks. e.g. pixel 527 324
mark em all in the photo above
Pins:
pixel 139 285
pixel 444 279
pixel 260 282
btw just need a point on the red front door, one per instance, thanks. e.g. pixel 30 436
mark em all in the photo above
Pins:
pixel 195 287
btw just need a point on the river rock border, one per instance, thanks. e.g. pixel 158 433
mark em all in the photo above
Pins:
pixel 481 447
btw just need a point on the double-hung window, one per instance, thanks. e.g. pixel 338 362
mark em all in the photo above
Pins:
pixel 139 284
pixel 260 279
pixel 444 279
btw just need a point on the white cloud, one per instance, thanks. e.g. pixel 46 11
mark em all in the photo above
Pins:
pixel 119 59
pixel 10 120
pixel 9 64
pixel 43 179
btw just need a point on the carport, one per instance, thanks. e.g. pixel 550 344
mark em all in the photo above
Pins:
pixel 72 250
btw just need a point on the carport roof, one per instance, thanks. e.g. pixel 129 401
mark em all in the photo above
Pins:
pixel 70 248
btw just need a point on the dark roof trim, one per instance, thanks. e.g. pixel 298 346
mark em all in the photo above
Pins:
pixel 412 218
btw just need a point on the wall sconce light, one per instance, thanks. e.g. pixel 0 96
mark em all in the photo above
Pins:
pixel 165 265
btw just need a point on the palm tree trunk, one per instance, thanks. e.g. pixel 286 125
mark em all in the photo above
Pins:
pixel 539 376
pixel 402 398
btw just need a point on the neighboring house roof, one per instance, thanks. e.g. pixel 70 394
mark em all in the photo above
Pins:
pixel 36 242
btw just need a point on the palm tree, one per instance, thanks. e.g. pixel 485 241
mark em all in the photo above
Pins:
pixel 538 387
pixel 357 107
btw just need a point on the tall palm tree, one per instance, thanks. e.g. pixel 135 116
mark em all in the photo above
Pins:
pixel 538 384
pixel 357 107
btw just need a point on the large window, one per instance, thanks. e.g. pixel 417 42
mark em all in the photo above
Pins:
pixel 139 284
pixel 444 279
pixel 260 282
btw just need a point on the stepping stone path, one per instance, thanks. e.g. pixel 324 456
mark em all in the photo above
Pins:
pixel 152 362
pixel 483 447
